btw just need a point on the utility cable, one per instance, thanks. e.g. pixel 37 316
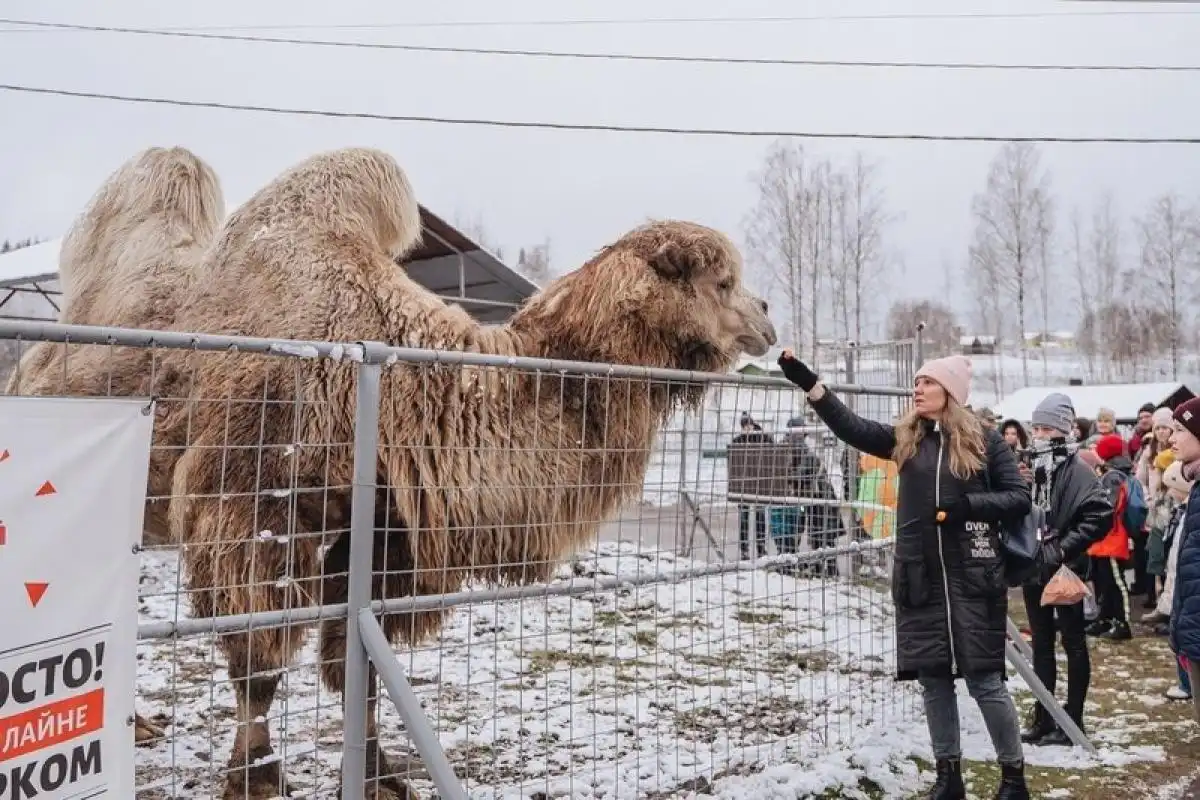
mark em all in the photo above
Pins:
pixel 611 128
pixel 790 62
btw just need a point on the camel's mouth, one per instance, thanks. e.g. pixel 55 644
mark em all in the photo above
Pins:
pixel 757 341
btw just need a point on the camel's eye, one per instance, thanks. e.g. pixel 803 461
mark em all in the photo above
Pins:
pixel 726 285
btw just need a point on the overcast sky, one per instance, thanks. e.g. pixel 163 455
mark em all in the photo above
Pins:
pixel 583 189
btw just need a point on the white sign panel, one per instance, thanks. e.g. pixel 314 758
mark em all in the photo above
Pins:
pixel 72 496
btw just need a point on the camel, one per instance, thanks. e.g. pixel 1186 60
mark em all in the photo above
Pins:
pixel 125 262
pixel 486 474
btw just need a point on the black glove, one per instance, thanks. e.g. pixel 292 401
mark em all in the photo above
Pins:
pixel 953 513
pixel 797 372
pixel 1049 558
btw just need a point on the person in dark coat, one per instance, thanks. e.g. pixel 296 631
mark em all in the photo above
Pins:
pixel 957 484
pixel 1015 435
pixel 1185 602
pixel 752 433
pixel 822 523
pixel 1078 514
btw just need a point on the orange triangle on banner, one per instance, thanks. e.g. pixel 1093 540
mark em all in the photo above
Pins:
pixel 47 488
pixel 4 456
pixel 36 591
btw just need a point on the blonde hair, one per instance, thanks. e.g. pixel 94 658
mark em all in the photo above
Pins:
pixel 962 429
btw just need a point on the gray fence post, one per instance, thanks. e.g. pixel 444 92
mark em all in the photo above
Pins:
pixel 920 346
pixel 416 724
pixel 362 532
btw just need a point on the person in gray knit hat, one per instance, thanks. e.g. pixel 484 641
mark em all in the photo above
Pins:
pixel 1078 513
pixel 1055 412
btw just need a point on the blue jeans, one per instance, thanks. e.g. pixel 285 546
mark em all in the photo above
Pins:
pixel 996 705
pixel 1184 683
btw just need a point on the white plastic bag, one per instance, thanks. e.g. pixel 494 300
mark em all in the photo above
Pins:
pixel 1065 589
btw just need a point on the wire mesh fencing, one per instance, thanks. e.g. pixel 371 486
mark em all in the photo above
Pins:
pixel 584 592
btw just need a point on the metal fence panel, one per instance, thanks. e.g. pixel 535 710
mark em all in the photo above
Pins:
pixel 584 625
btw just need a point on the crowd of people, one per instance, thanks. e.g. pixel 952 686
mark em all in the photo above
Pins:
pixel 1103 503
pixel 1144 475
pixel 821 522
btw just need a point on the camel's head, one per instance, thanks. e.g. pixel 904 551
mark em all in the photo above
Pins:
pixel 666 294
pixel 695 276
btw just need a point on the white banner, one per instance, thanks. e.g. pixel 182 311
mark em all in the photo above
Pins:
pixel 72 497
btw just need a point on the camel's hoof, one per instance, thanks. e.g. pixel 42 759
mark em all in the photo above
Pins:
pixel 259 782
pixel 146 732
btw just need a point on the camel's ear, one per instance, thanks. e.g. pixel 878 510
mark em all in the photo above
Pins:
pixel 674 262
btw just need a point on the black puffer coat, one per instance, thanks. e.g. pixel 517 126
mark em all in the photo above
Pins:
pixel 948 581
pixel 1080 515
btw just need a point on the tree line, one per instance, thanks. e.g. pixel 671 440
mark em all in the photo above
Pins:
pixel 816 241
pixel 1131 282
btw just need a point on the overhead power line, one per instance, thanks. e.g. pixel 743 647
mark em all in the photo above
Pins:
pixel 792 62
pixel 604 127
pixel 726 20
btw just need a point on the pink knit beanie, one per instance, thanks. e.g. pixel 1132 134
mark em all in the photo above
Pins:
pixel 952 372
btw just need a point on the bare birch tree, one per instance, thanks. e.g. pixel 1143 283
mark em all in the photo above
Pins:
pixel 986 284
pixel 1087 336
pixel 864 257
pixel 776 231
pixel 1105 245
pixel 1043 217
pixel 1006 228
pixel 1169 261
pixel 815 238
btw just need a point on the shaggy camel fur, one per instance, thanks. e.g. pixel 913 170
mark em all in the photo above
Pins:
pixel 126 261
pixel 494 474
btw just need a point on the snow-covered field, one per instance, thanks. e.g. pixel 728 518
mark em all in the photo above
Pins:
pixel 744 684
pixel 623 694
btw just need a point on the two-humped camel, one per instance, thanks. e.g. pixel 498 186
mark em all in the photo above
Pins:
pixel 483 473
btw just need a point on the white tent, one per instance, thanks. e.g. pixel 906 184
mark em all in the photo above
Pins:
pixel 38 262
pixel 1123 398
pixel 29 282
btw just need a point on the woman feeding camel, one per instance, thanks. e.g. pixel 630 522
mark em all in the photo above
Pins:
pixel 956 482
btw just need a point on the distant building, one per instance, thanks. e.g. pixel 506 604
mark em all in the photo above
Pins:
pixel 977 345
pixel 1051 340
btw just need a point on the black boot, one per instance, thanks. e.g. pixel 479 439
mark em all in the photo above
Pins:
pixel 1097 627
pixel 949 784
pixel 1117 632
pixel 1039 727
pixel 1012 783
pixel 1058 737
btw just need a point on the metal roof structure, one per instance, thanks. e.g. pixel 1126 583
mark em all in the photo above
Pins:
pixel 447 262
pixel 1123 398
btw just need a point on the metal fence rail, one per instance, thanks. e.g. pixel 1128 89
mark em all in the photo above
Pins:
pixel 495 537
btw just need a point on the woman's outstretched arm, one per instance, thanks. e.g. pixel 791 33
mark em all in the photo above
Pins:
pixel 860 433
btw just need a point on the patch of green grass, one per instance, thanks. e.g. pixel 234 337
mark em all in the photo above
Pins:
pixel 1125 708
pixel 647 639
pixel 808 660
pixel 749 617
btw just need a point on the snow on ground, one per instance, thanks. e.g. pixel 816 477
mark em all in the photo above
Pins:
pixel 883 761
pixel 616 694
pixel 744 684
